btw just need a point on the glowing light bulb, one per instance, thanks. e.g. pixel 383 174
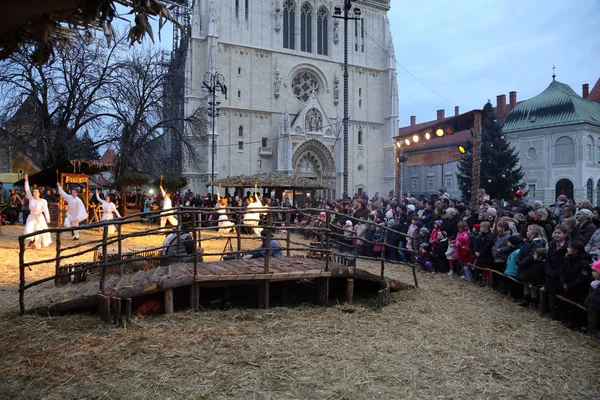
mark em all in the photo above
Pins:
pixel 415 138
pixel 439 132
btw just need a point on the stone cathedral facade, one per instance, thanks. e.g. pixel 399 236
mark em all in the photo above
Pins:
pixel 282 61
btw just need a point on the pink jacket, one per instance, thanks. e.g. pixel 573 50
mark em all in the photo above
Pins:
pixel 466 235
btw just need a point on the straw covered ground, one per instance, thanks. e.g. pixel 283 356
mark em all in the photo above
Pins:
pixel 448 339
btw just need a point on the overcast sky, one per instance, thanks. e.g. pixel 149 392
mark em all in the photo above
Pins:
pixel 472 51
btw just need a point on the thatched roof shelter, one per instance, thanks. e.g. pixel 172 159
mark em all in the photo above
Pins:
pixel 48 177
pixel 269 180
pixel 53 24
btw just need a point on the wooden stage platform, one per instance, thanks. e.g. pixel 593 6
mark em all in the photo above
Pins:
pixel 75 297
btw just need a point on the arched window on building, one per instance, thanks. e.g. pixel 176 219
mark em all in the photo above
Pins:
pixel 322 18
pixel 590 190
pixel 564 151
pixel 360 137
pixel 589 149
pixel 598 193
pixel 289 24
pixel 241 131
pixel 306 28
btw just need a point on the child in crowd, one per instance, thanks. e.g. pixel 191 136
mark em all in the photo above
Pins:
pixel 536 238
pixel 424 258
pixel 533 276
pixel 463 238
pixel 449 256
pixel 574 278
pixel 413 233
pixel 513 246
pixel 592 302
pixel 483 249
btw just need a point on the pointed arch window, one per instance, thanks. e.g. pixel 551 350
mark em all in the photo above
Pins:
pixel 289 24
pixel 306 28
pixel 360 137
pixel 241 131
pixel 322 18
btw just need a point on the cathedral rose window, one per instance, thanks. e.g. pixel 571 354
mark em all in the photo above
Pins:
pixel 303 84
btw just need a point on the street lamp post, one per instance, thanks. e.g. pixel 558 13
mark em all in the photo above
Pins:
pixel 346 18
pixel 212 84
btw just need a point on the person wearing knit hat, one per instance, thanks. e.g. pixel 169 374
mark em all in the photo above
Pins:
pixel 410 208
pixel 476 227
pixel 443 194
pixel 514 244
pixel 586 226
pixel 438 223
pixel 389 214
pixel 348 223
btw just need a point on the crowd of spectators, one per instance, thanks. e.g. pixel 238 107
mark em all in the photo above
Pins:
pixel 551 247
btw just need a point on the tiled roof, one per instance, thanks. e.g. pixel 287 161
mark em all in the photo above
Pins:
pixel 108 157
pixel 558 105
pixel 595 93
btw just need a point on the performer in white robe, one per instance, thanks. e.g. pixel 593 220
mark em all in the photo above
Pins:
pixel 108 211
pixel 76 212
pixel 225 224
pixel 167 206
pixel 38 219
pixel 253 218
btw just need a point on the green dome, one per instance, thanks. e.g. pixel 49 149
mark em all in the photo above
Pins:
pixel 558 105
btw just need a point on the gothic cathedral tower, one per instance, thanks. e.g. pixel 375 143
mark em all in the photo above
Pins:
pixel 282 61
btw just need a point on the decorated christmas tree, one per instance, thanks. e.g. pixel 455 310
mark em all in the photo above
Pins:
pixel 501 175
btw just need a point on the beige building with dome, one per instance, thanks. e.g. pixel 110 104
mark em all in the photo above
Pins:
pixel 282 61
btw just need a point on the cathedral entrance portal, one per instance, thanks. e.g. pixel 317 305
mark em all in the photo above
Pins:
pixel 313 160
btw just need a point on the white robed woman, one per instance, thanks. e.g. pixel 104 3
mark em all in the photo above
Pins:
pixel 109 210
pixel 252 218
pixel 38 219
pixel 76 211
pixel 225 223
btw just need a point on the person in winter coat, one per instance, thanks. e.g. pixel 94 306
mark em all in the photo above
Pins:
pixel 574 278
pixel 592 302
pixel 483 249
pixel 585 226
pixel 533 276
pixel 500 251
pixel 557 251
pixel 593 246
pixel 449 256
pixel 514 243
pixel 536 238
pixel 424 258
pixel 465 240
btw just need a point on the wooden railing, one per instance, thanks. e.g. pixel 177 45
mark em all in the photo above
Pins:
pixel 196 223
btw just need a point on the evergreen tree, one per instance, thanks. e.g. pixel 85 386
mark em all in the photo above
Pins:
pixel 84 147
pixel 500 175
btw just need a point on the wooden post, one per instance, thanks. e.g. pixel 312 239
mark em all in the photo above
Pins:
pixel 322 245
pixel 327 240
pixel 349 290
pixel 104 308
pixel 128 309
pixel 58 281
pixel 263 294
pixel 323 291
pixel 268 243
pixel 21 276
pixel 398 180
pixel 238 233
pixel 104 259
pixel 414 271
pixel 288 242
pixel 119 247
pixel 476 158
pixel 195 236
pixel 116 310
pixel 169 301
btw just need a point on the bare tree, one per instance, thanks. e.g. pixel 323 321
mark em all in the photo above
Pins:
pixel 61 99
pixel 141 128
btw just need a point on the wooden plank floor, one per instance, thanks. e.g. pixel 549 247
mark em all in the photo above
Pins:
pixel 83 295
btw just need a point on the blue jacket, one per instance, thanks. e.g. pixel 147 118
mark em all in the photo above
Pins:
pixel 511 264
